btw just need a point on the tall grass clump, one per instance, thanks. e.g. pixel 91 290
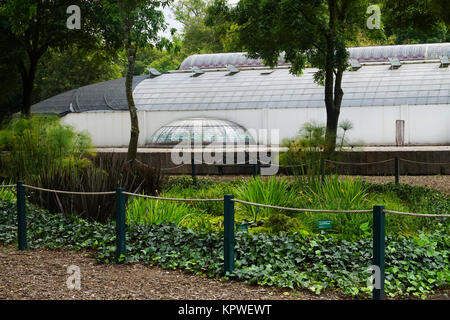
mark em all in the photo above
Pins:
pixel 203 189
pixel 148 212
pixel 334 193
pixel 272 190
pixel 104 174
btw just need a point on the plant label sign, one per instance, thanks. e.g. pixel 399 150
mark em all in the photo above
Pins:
pixel 324 224
pixel 242 227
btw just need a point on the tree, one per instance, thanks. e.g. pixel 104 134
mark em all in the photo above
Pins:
pixel 219 19
pixel 417 21
pixel 197 36
pixel 166 59
pixel 139 22
pixel 28 28
pixel 74 67
pixel 313 32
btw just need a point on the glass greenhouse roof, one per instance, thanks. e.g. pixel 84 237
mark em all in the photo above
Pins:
pixel 374 84
pixel 201 131
pixel 431 51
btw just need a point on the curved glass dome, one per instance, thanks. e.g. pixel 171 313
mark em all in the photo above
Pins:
pixel 201 131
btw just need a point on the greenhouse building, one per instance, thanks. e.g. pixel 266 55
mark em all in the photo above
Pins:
pixel 392 95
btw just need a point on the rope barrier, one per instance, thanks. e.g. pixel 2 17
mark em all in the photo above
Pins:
pixel 70 192
pixel 161 169
pixel 7 186
pixel 171 168
pixel 234 200
pixel 171 199
pixel 420 162
pixel 296 165
pixel 298 209
pixel 361 163
pixel 418 214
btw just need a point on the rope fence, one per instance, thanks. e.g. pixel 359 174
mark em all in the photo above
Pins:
pixel 171 199
pixel 418 214
pixel 299 209
pixel 7 186
pixel 359 163
pixel 426 163
pixel 229 223
pixel 69 192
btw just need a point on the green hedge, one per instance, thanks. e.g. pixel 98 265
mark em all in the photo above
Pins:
pixel 414 266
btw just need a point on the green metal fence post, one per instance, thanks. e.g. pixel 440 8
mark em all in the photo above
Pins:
pixel 121 249
pixel 378 250
pixel 255 170
pixel 21 217
pixel 193 173
pixel 228 210
pixel 397 170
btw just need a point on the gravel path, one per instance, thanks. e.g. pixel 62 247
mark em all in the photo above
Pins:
pixel 42 274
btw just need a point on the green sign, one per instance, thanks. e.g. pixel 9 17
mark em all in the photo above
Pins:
pixel 324 224
pixel 242 227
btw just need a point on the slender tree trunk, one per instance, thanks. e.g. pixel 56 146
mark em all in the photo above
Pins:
pixel 333 83
pixel 132 147
pixel 332 111
pixel 28 77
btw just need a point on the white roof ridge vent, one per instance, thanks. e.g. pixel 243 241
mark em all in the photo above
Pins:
pixel 153 73
pixel 395 63
pixel 355 65
pixel 197 71
pixel 267 72
pixel 444 62
pixel 233 70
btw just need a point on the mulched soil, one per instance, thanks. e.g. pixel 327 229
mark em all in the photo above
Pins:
pixel 42 274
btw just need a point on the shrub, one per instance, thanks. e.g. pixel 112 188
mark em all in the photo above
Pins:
pixel 305 151
pixel 36 145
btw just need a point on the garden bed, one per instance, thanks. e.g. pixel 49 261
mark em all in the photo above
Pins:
pixel 416 266
pixel 42 274
pixel 440 183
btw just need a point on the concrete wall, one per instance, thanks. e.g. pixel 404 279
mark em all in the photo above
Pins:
pixel 428 124
pixel 436 163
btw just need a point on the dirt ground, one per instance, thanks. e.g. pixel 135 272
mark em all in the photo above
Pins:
pixel 42 274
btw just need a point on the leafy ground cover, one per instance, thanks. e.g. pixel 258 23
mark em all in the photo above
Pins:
pixel 414 265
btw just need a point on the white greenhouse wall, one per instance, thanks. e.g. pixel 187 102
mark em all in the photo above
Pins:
pixel 424 125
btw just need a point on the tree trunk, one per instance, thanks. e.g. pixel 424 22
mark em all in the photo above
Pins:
pixel 27 85
pixel 333 84
pixel 332 112
pixel 132 146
